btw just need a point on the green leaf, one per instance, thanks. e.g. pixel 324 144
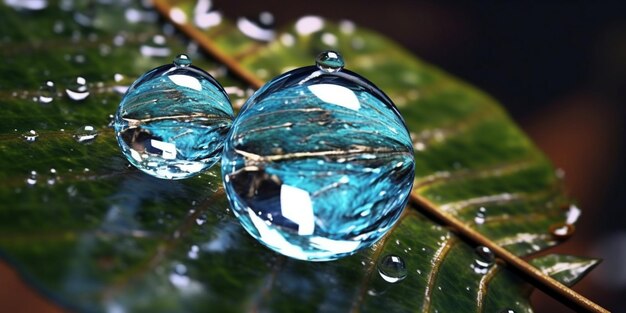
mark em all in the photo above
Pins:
pixel 97 235
pixel 567 269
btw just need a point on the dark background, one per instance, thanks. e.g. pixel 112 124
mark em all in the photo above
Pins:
pixel 558 68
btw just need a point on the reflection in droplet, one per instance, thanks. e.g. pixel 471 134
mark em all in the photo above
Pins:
pixel 481 216
pixel 30 136
pixel 32 178
pixel 157 48
pixel 85 134
pixel 392 268
pixel 78 90
pixel 484 260
pixel 47 91
pixel 259 29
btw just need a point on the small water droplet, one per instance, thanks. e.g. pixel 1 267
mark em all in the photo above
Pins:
pixel 392 268
pixel 329 61
pixel 205 16
pixel 47 91
pixel 78 90
pixel 53 177
pixel 32 5
pixel 481 215
pixel 193 252
pixel 260 28
pixel 200 220
pixel 178 277
pixel 484 260
pixel 85 134
pixel 506 311
pixel 30 136
pixel 32 178
pixel 182 60
pixel 562 231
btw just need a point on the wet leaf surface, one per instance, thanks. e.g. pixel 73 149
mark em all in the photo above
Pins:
pixel 99 236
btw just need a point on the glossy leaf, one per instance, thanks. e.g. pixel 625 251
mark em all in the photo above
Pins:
pixel 98 235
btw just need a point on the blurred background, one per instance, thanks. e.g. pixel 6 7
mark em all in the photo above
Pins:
pixel 558 68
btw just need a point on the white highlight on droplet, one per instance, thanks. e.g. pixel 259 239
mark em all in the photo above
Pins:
pixel 337 95
pixel 169 149
pixel 186 81
pixel 296 205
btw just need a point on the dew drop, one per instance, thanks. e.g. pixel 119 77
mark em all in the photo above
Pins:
pixel 53 177
pixel 205 15
pixel 32 5
pixel 182 60
pixel 193 252
pixel 329 61
pixel 85 134
pixel 32 178
pixel 260 28
pixel 30 136
pixel 392 268
pixel 481 215
pixel 506 311
pixel 200 220
pixel 78 90
pixel 484 260
pixel 47 91
pixel 179 277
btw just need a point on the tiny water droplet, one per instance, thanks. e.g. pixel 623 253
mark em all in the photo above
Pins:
pixel 329 61
pixel 32 5
pixel 484 260
pixel 182 60
pixel 53 177
pixel 30 136
pixel 193 252
pixel 562 231
pixel 32 178
pixel 200 220
pixel 506 311
pixel 47 91
pixel 481 216
pixel 260 28
pixel 85 134
pixel 392 268
pixel 78 90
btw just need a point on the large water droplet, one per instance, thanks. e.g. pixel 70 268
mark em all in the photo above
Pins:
pixel 484 260
pixel 85 134
pixel 47 92
pixel 30 136
pixel 329 61
pixel 481 216
pixel 157 48
pixel 78 90
pixel 392 268
pixel 182 60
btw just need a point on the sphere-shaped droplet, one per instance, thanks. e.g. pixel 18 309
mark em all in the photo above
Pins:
pixel 318 164
pixel 562 231
pixel 85 134
pixel 172 121
pixel 481 216
pixel 329 61
pixel 47 92
pixel 30 136
pixel 182 60
pixel 392 268
pixel 484 259
pixel 78 90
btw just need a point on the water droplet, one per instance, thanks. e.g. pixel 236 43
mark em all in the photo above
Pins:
pixel 32 178
pixel 53 177
pixel 392 268
pixel 205 16
pixel 481 216
pixel 193 252
pixel 562 231
pixel 179 277
pixel 78 90
pixel 182 60
pixel 32 5
pixel 329 61
pixel 484 260
pixel 201 219
pixel 30 136
pixel 506 311
pixel 85 134
pixel 307 25
pixel 260 28
pixel 157 48
pixel 47 91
